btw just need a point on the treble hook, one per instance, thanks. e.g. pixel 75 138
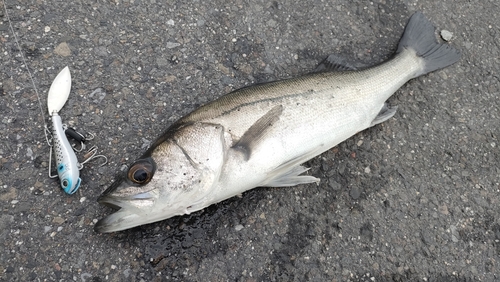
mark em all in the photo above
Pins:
pixel 71 132
pixel 91 155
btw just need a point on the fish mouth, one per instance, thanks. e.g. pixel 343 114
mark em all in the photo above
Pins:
pixel 117 221
pixel 106 197
pixel 117 196
pixel 128 212
pixel 112 187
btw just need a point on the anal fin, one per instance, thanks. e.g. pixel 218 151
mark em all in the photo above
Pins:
pixel 385 113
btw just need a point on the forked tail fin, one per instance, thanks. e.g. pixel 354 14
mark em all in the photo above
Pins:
pixel 419 36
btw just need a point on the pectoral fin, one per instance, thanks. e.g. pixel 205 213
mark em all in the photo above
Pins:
pixel 257 131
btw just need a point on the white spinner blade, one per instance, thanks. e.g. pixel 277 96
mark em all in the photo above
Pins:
pixel 59 91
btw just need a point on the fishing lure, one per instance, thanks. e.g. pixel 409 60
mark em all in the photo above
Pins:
pixel 68 167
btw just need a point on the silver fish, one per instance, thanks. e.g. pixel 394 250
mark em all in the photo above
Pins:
pixel 260 135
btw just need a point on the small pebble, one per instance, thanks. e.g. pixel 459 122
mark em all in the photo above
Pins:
pixel 58 220
pixel 238 227
pixel 355 193
pixel 62 50
pixel 171 45
pixel 446 35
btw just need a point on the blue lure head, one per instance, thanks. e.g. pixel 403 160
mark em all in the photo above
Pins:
pixel 70 181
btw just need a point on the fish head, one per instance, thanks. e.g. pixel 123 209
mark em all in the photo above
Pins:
pixel 177 178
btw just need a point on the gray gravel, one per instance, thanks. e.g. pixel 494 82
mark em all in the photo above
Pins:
pixel 415 198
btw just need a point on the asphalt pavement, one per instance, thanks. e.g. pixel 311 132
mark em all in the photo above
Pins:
pixel 413 199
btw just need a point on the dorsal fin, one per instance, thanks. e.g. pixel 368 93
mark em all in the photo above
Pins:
pixel 334 63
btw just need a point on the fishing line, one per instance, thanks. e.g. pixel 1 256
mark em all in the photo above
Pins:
pixel 46 129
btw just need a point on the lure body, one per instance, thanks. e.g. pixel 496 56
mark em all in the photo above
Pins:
pixel 66 162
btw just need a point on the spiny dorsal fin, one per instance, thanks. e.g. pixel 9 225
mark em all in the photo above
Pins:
pixel 255 133
pixel 334 63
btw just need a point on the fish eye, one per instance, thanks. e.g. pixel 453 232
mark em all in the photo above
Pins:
pixel 140 175
pixel 141 171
